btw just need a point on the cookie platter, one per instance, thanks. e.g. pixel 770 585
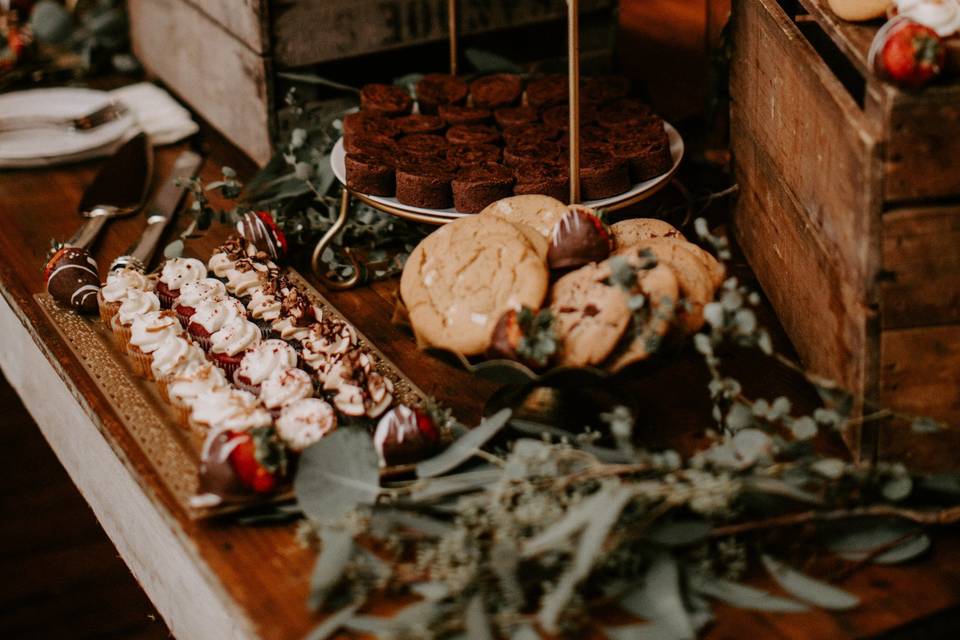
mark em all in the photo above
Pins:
pixel 637 192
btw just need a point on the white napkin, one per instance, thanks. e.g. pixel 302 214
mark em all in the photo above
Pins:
pixel 155 112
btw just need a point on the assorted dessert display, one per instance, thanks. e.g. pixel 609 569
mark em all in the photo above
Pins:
pixel 533 279
pixel 252 369
pixel 466 145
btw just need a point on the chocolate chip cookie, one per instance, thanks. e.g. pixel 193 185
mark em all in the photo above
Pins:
pixel 628 233
pixel 537 211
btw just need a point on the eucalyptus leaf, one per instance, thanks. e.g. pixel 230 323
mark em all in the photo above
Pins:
pixel 856 541
pixel 808 589
pixel 659 599
pixel 336 475
pixel 336 551
pixel 431 590
pixel 524 632
pixel 641 631
pixel 332 624
pixel 310 78
pixel 444 486
pixel 464 447
pixel 587 553
pixel 418 522
pixel 173 250
pixel 558 535
pixel 943 483
pixel 897 489
pixel 742 596
pixel 419 613
pixel 476 621
pixel 488 62
pixel 773 486
pixel 678 533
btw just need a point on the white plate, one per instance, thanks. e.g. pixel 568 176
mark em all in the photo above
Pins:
pixel 676 150
pixel 52 142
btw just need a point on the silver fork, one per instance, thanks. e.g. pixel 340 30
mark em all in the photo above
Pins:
pixel 108 113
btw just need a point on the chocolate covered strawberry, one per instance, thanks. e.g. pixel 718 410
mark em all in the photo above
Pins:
pixel 236 463
pixel 908 54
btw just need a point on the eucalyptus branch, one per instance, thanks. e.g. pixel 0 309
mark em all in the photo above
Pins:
pixel 948 516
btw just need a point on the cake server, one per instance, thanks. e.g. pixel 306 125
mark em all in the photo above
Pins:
pixel 160 212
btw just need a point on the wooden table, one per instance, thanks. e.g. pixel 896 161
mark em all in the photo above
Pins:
pixel 220 580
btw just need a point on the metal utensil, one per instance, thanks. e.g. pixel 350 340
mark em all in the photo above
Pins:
pixel 119 189
pixel 107 113
pixel 160 212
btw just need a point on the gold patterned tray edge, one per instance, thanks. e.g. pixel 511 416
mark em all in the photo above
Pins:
pixel 173 452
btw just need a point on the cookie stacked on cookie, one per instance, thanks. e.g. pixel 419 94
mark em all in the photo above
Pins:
pixel 549 284
pixel 471 145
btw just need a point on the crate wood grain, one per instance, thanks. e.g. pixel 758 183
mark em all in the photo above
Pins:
pixel 848 207
pixel 222 77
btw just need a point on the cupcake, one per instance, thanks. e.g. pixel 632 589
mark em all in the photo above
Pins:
pixel 174 355
pixel 147 333
pixel 261 361
pixel 304 422
pixel 136 304
pixel 357 389
pixel 284 386
pixel 231 342
pixel 114 290
pixel 177 272
pixel 194 293
pixel 226 255
pixel 297 314
pixel 184 387
pixel 228 409
pixel 264 308
pixel 209 317
pixel 327 341
pixel 437 90
pixel 246 275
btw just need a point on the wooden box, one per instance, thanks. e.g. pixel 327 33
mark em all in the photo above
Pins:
pixel 222 56
pixel 849 209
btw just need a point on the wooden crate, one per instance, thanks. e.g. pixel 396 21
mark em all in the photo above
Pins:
pixel 850 206
pixel 221 56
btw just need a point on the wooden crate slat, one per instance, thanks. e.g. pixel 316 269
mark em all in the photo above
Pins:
pixel 921 264
pixel 247 20
pixel 816 136
pixel 917 376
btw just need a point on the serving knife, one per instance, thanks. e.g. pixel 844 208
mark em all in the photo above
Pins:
pixel 160 211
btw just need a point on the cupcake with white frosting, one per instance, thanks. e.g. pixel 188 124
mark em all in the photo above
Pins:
pixel 261 361
pixel 357 388
pixel 175 355
pixel 147 333
pixel 192 294
pixel 136 304
pixel 297 315
pixel 114 290
pixel 283 387
pixel 177 272
pixel 326 343
pixel 305 422
pixel 228 409
pixel 210 315
pixel 184 387
pixel 246 275
pixel 231 343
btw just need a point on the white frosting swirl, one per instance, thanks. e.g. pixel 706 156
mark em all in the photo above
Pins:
pixel 219 264
pixel 174 355
pixel 245 276
pixel 179 271
pixel 284 386
pixel 193 293
pixel 289 330
pixel 264 359
pixel 943 16
pixel 304 422
pixel 264 306
pixel 235 336
pixel 195 380
pixel 136 304
pixel 214 313
pixel 151 329
pixel 231 409
pixel 359 389
pixel 122 281
pixel 327 339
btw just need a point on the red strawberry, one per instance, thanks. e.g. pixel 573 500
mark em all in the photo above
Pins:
pixel 248 465
pixel 427 426
pixel 912 55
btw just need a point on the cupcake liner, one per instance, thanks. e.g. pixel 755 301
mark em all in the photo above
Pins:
pixel 166 296
pixel 141 362
pixel 203 341
pixel 229 368
pixel 107 309
pixel 250 388
pixel 121 332
pixel 184 318
pixel 182 412
pixel 163 389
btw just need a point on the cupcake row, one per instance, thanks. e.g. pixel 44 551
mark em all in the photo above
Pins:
pixel 248 364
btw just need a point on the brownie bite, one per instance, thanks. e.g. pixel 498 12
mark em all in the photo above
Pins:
pixel 527 151
pixel 646 158
pixel 417 123
pixel 512 116
pixel 558 116
pixel 462 155
pixel 625 113
pixel 601 175
pixel 548 179
pixel 425 182
pixel 473 134
pixel 600 89
pixel 386 100
pixel 529 132
pixel 439 89
pixel 548 91
pixel 423 145
pixel 361 123
pixel 455 115
pixel 477 185
pixel 371 145
pixel 370 174
pixel 496 91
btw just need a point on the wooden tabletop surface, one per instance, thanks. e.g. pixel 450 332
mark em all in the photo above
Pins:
pixel 203 576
